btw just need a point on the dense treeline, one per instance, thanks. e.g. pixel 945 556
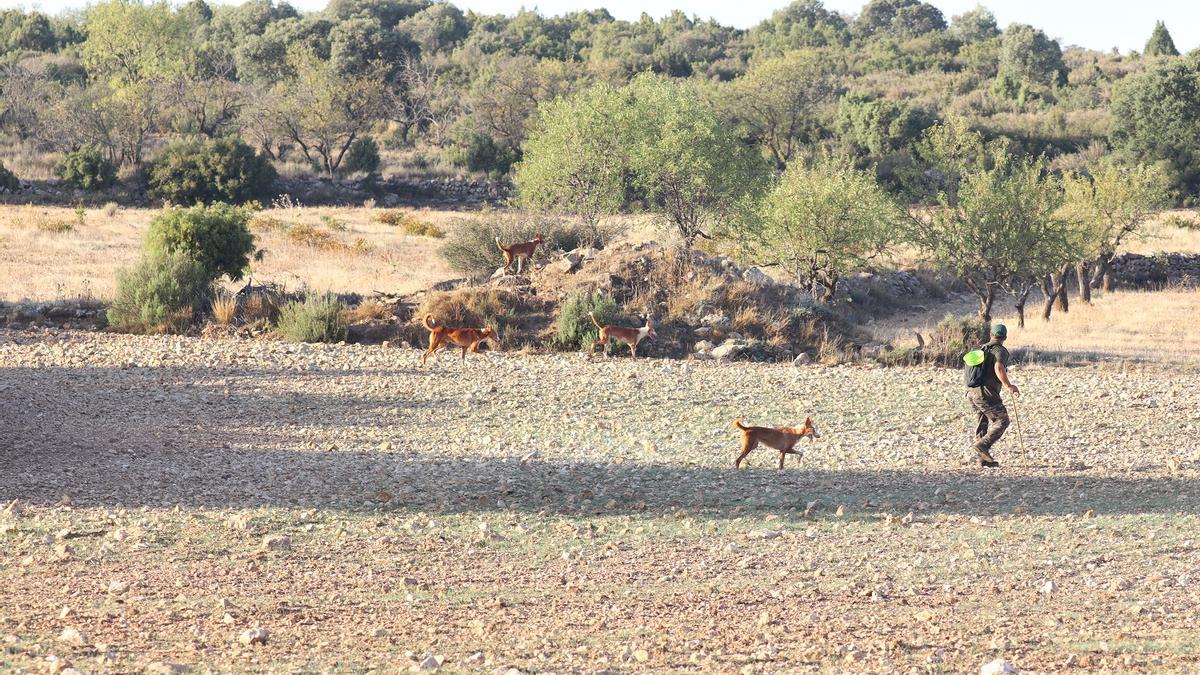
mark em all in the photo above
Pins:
pixel 330 89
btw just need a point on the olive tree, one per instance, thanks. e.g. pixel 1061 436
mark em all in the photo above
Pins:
pixel 575 159
pixel 780 101
pixel 686 163
pixel 821 222
pixel 1000 226
pixel 1113 206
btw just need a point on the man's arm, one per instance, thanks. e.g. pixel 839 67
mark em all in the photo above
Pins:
pixel 1002 373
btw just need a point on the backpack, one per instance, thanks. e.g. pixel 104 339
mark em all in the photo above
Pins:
pixel 979 368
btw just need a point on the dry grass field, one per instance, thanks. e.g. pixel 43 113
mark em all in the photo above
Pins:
pixel 39 261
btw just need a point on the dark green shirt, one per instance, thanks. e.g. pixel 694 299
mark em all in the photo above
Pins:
pixel 991 387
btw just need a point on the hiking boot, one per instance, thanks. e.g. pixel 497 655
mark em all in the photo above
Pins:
pixel 986 459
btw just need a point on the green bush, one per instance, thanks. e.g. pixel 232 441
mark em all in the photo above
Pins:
pixel 363 156
pixel 86 169
pixel 158 294
pixel 482 153
pixel 194 171
pixel 320 318
pixel 953 337
pixel 574 329
pixel 216 236
pixel 8 180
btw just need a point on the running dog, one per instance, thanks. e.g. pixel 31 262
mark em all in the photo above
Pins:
pixel 519 251
pixel 783 439
pixel 630 336
pixel 440 337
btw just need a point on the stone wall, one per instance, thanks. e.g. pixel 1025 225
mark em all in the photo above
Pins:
pixel 1134 270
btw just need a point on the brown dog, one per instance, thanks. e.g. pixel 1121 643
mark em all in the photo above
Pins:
pixel 630 336
pixel 519 251
pixel 783 439
pixel 440 337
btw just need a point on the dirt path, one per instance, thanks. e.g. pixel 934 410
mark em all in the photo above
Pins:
pixel 550 513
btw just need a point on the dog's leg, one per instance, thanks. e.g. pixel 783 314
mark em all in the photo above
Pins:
pixel 748 444
pixel 633 350
pixel 782 454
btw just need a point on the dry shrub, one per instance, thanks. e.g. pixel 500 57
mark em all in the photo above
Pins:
pixel 474 308
pixel 260 309
pixel 111 208
pixel 54 225
pixel 261 222
pixel 224 308
pixel 409 223
pixel 369 310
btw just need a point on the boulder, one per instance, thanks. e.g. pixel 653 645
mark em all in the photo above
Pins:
pixel 567 264
pixel 715 320
pixel 727 351
pixel 703 346
pixel 802 359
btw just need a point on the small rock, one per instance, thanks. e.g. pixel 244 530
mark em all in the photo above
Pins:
pixel 254 636
pixel 1048 587
pixel 802 359
pixel 765 534
pixel 727 351
pixel 758 277
pixel 118 587
pixel 703 346
pixel 431 663
pixel 998 667
pixel 641 655
pixel 165 668
pixel 73 637
pixel 276 542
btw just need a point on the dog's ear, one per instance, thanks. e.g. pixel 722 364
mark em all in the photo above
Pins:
pixel 808 421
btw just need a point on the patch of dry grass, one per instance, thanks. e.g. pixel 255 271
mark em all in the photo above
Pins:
pixel 1149 325
pixel 39 265
pixel 224 308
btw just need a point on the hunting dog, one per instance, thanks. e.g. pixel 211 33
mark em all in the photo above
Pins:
pixel 630 336
pixel 519 251
pixel 440 337
pixel 783 439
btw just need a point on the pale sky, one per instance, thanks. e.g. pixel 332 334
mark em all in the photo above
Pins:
pixel 1098 24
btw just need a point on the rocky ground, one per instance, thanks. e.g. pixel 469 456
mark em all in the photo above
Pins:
pixel 254 506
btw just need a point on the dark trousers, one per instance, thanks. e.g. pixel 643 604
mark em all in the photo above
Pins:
pixel 991 418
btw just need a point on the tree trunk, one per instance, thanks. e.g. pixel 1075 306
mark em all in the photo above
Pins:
pixel 1048 291
pixel 1061 303
pixel 1109 281
pixel 1020 305
pixel 1085 288
pixel 985 309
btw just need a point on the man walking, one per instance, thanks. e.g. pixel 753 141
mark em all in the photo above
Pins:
pixel 985 399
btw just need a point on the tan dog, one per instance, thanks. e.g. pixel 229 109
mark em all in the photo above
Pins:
pixel 440 337
pixel 519 251
pixel 783 439
pixel 630 336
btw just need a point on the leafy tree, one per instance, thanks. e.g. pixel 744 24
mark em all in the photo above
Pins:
pixel 1000 225
pixel 26 32
pixel 575 160
pixel 216 236
pixel 901 18
pixel 1156 119
pixel 438 27
pixel 821 222
pixel 803 23
pixel 323 111
pixel 878 125
pixel 1113 206
pixel 1160 42
pixel 976 25
pixel 130 43
pixel 1029 58
pixel 683 158
pixel 779 101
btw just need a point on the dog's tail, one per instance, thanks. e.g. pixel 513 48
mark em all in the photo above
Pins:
pixel 428 321
pixel 593 316
pixel 738 423
pixel 498 244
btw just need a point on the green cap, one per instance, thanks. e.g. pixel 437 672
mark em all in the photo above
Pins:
pixel 999 330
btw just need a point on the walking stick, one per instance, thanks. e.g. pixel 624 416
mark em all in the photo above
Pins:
pixel 1020 437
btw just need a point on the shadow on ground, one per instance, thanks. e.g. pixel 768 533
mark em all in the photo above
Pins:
pixel 129 437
